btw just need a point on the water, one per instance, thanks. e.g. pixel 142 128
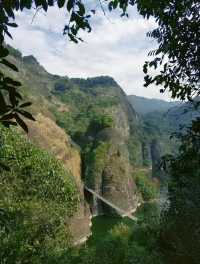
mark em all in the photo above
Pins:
pixel 101 226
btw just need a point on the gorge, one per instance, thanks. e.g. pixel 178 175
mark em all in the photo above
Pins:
pixel 104 139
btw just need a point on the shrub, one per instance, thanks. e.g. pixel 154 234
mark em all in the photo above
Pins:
pixel 146 186
pixel 36 197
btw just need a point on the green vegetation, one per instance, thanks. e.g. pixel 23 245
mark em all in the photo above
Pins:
pixel 88 109
pixel 180 238
pixel 144 105
pixel 95 159
pixel 145 185
pixel 36 197
pixel 123 241
pixel 135 152
pixel 34 201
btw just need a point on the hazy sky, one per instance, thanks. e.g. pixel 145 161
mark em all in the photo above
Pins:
pixel 116 47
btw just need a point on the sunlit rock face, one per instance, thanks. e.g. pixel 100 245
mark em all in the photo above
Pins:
pixel 63 107
pixel 46 134
pixel 117 183
pixel 109 174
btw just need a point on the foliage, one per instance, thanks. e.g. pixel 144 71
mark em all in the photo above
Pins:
pixel 89 83
pixel 144 105
pixel 98 123
pixel 124 243
pixel 180 237
pixel 62 86
pixel 95 159
pixel 11 105
pixel 36 197
pixel 177 56
pixel 135 153
pixel 147 188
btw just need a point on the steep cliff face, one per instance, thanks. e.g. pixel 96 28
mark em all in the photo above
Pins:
pixel 96 114
pixel 156 122
pixel 46 134
pixel 107 163
pixel 109 173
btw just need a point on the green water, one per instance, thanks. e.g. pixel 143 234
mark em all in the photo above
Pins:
pixel 101 225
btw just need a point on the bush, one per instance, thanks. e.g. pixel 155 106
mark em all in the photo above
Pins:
pixel 146 186
pixel 36 197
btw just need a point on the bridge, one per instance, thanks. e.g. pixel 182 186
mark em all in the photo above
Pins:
pixel 120 211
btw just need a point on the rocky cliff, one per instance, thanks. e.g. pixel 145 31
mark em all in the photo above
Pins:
pixel 108 169
pixel 90 126
pixel 47 135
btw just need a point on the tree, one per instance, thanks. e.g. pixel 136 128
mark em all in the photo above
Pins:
pixel 178 54
pixel 180 235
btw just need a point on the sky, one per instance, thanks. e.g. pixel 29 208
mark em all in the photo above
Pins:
pixel 116 47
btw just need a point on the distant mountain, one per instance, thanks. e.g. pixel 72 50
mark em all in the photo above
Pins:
pixel 144 105
pixel 183 114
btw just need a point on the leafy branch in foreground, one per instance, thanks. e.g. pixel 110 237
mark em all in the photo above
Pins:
pixel 180 236
pixel 11 104
pixel 177 60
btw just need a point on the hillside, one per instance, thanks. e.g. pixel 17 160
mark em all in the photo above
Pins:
pixel 98 124
pixel 144 105
pixel 91 127
pixel 86 133
pixel 183 115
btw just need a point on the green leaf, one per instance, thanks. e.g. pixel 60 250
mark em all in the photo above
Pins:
pixel 44 5
pixel 25 3
pixel 3 52
pixel 38 3
pixel 50 2
pixel 70 5
pixel 61 3
pixel 8 123
pixel 25 104
pixel 9 11
pixel 18 95
pixel 12 82
pixel 8 33
pixel 12 25
pixel 26 114
pixel 7 117
pixel 9 65
pixel 3 106
pixel 81 9
pixel 12 96
pixel 21 123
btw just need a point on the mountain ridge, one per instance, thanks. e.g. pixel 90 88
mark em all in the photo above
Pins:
pixel 145 105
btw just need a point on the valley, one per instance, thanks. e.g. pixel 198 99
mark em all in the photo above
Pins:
pixel 108 147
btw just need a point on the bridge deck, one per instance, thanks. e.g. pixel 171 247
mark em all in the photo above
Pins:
pixel 121 212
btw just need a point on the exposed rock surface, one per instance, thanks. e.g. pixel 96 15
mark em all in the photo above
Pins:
pixel 109 173
pixel 72 104
pixel 46 134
